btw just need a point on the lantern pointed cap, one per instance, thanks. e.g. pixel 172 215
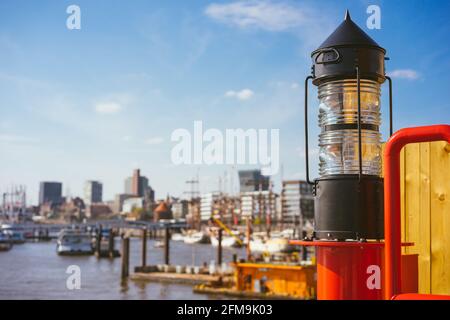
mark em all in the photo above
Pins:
pixel 347 15
pixel 347 34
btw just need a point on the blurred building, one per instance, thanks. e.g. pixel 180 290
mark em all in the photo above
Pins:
pixel 162 212
pixel 193 215
pixel 253 180
pixel 138 185
pixel 297 202
pixel 119 200
pixel 258 205
pixel 131 204
pixel 93 192
pixel 98 211
pixel 50 192
pixel 180 208
pixel 208 205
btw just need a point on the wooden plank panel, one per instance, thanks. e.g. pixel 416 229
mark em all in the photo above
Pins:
pixel 424 237
pixel 402 195
pixel 440 218
pixel 412 200
pixel 383 147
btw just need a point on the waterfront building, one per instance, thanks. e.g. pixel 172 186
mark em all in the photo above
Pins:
pixel 253 180
pixel 297 202
pixel 180 208
pixel 138 185
pixel 118 201
pixel 208 205
pixel 98 211
pixel 50 192
pixel 93 192
pixel 258 205
pixel 162 212
pixel 133 203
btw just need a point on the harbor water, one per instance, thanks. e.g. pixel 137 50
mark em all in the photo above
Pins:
pixel 34 271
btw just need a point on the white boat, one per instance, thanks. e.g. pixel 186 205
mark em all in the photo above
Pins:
pixel 158 244
pixel 15 232
pixel 276 245
pixel 74 242
pixel 258 245
pixel 196 237
pixel 227 241
pixel 177 237
pixel 271 246
pixel 5 241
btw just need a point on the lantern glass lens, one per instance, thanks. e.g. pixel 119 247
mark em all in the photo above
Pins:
pixel 338 110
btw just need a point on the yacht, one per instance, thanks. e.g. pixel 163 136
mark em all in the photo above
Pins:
pixel 196 237
pixel 227 240
pixel 74 242
pixel 15 232
pixel 177 237
pixel 272 245
pixel 5 241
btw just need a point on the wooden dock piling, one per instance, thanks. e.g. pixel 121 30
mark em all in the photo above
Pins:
pixel 125 257
pixel 144 247
pixel 219 248
pixel 248 232
pixel 166 245
pixel 111 243
pixel 99 240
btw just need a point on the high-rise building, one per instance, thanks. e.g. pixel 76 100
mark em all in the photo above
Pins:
pixel 119 200
pixel 253 180
pixel 50 192
pixel 297 202
pixel 138 186
pixel 93 191
pixel 180 208
pixel 258 204
pixel 208 205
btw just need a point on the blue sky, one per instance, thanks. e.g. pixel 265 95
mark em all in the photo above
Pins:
pixel 97 102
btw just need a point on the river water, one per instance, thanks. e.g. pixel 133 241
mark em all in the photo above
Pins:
pixel 35 271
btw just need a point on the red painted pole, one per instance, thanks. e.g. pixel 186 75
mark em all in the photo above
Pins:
pixel 392 219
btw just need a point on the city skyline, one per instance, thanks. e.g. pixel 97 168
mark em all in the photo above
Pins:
pixel 116 89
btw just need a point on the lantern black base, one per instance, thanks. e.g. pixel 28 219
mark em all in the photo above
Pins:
pixel 347 208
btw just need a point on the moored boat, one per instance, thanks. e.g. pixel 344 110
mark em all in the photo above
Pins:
pixel 15 232
pixel 74 242
pixel 227 241
pixel 177 237
pixel 271 245
pixel 5 241
pixel 196 237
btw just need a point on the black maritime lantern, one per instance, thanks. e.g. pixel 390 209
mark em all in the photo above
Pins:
pixel 348 69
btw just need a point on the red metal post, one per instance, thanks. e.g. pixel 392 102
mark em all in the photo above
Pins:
pixel 392 218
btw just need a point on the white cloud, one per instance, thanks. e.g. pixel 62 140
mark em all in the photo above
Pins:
pixel 154 140
pixel 126 138
pixel 404 74
pixel 107 107
pixel 294 85
pixel 244 94
pixel 257 14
